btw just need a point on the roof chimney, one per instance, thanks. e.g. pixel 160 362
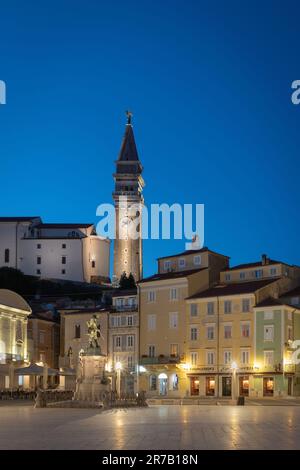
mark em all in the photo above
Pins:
pixel 263 259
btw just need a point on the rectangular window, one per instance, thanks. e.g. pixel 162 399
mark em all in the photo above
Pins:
pixel 197 260
pixel 77 331
pixel 227 277
pixel 152 322
pixel 268 358
pixel 118 341
pixel 258 273
pixel 290 333
pixel 273 271
pixel 245 330
pixel 151 350
pixel 174 350
pixel 130 341
pixel 210 308
pixel 227 331
pixel 268 333
pixel 227 306
pixel 64 246
pixel 268 315
pixel 173 293
pixel 6 256
pixel 93 264
pixel 38 271
pixel 153 383
pixel 242 275
pixel 42 357
pixel 63 260
pixel 63 271
pixel 210 358
pixel 245 356
pixel 227 357
pixel 194 358
pixel 246 305
pixel 181 262
pixel 194 310
pixel 210 332
pixel 38 260
pixel 194 333
pixel 39 246
pixel 151 296
pixel 130 320
pixel 173 320
pixel 167 265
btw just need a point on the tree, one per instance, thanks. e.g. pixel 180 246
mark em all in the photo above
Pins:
pixel 127 282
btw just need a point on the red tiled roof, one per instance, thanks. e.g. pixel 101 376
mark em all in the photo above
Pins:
pixel 191 252
pixel 171 275
pixel 234 288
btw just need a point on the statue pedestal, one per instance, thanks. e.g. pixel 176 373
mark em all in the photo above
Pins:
pixel 90 386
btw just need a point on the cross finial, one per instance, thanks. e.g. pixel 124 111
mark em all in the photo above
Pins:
pixel 129 115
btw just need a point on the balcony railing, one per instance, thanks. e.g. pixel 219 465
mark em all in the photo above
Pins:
pixel 160 359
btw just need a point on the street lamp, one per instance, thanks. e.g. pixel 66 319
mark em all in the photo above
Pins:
pixel 118 368
pixel 233 385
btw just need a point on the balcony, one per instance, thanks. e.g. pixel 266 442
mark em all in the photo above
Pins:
pixel 124 308
pixel 160 360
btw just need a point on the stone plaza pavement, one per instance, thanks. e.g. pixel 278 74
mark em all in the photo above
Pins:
pixel 159 427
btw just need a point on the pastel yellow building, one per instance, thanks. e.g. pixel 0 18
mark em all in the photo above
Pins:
pixel 163 321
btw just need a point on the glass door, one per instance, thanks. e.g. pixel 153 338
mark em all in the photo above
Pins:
pixel 226 386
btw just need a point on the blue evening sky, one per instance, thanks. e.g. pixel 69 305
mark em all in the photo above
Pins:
pixel 210 87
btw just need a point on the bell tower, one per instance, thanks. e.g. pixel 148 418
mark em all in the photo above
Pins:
pixel 129 202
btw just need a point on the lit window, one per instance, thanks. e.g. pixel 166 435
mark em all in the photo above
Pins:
pixel 174 350
pixel 245 330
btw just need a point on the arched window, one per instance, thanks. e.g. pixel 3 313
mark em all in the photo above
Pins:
pixel 6 256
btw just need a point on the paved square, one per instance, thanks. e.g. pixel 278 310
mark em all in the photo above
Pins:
pixel 157 427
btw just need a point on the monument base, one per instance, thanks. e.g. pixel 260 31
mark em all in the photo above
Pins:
pixel 92 385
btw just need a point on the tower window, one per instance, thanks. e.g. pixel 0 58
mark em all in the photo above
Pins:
pixel 39 246
pixel 64 246
pixel 93 264
pixel 38 260
pixel 63 260
pixel 77 331
pixel 63 271
pixel 38 271
pixel 6 255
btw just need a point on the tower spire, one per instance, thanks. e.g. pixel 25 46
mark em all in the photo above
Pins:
pixel 129 115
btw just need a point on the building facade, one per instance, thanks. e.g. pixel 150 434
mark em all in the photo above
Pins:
pixel 43 338
pixel 123 338
pixel 57 251
pixel 14 312
pixel 128 201
pixel 163 321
